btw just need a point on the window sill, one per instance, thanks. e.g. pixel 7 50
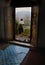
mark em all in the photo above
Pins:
pixel 20 43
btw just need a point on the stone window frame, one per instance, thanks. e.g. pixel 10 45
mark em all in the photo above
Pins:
pixel 34 29
pixel 34 25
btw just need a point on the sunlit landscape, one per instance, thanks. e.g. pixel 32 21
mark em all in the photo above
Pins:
pixel 23 23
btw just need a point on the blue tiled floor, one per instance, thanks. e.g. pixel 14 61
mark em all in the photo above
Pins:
pixel 13 55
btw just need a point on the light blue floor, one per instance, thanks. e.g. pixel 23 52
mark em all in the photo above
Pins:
pixel 13 55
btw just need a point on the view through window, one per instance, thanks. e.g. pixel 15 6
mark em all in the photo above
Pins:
pixel 23 23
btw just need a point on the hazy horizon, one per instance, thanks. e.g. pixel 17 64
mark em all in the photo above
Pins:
pixel 23 12
pixel 23 9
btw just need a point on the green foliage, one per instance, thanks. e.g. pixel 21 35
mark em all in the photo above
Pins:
pixel 26 22
pixel 26 32
pixel 16 26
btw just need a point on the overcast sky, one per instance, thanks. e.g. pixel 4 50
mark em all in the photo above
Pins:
pixel 23 9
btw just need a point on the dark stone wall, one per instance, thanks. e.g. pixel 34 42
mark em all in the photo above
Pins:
pixel 41 21
pixel 41 24
pixel 5 20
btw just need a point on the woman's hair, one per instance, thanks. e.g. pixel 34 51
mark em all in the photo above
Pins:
pixel 21 19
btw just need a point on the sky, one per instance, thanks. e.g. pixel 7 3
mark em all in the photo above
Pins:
pixel 23 9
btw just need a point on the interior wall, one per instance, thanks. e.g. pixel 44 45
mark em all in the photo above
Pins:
pixel 41 27
pixel 35 11
pixel 5 20
pixel 2 4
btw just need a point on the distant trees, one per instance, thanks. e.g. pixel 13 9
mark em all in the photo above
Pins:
pixel 26 22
